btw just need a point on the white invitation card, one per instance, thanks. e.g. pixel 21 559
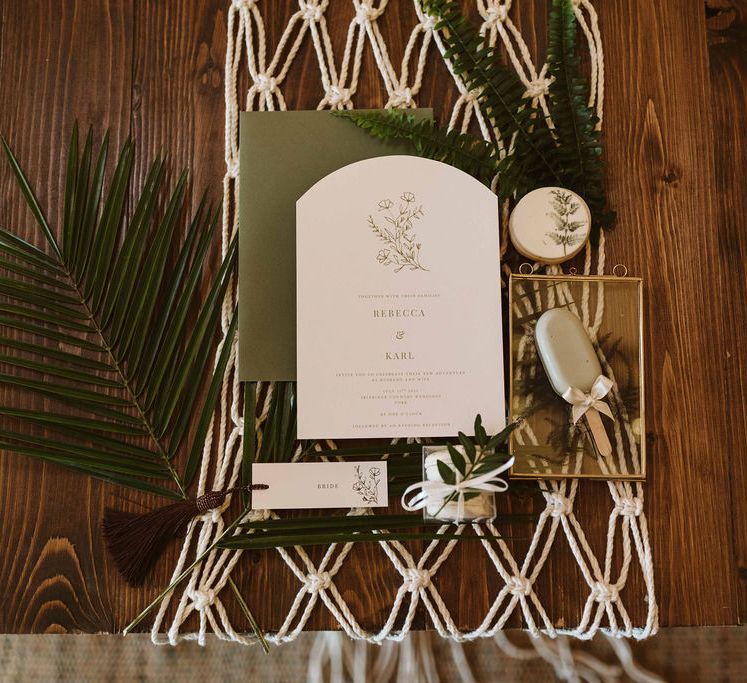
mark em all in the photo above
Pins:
pixel 398 302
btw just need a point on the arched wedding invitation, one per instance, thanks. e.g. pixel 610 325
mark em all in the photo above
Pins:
pixel 398 302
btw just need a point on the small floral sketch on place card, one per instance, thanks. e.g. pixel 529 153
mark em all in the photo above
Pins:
pixel 367 484
pixel 293 486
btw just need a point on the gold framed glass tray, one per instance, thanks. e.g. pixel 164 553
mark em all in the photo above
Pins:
pixel 549 443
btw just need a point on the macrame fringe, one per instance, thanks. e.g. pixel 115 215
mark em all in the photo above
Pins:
pixel 420 658
pixel 137 540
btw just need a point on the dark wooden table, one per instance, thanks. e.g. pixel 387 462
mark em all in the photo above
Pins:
pixel 675 117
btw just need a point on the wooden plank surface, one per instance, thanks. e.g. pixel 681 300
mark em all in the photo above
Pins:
pixel 676 73
pixel 727 51
pixel 58 63
pixel 661 170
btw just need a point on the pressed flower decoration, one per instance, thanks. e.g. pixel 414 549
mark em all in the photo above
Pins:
pixel 565 207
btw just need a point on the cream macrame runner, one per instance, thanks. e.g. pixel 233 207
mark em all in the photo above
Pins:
pixel 515 577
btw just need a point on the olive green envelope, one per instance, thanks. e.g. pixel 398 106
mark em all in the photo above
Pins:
pixel 281 155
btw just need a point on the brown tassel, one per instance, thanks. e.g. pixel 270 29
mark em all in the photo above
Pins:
pixel 136 541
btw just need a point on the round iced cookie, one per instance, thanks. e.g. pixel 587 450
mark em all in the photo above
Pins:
pixel 550 224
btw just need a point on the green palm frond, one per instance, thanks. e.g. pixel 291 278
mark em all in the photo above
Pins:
pixel 277 441
pixel 110 327
pixel 579 148
pixel 279 433
pixel 307 531
pixel 472 155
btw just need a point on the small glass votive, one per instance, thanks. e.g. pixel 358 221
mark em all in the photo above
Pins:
pixel 475 505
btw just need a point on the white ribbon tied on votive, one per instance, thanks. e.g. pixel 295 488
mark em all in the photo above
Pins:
pixel 438 493
pixel 582 402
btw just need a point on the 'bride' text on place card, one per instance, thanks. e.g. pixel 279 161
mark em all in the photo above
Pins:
pixel 398 302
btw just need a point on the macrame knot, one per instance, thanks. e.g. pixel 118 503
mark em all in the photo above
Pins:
pixel 519 585
pixel 473 95
pixel 496 14
pixel 602 592
pixel 630 507
pixel 244 4
pixel 338 96
pixel 415 579
pixel 429 23
pixel 365 14
pixel 559 505
pixel 257 516
pixel 312 11
pixel 232 168
pixel 214 516
pixel 265 83
pixel 202 599
pixel 317 582
pixel 359 512
pixel 401 96
pixel 537 87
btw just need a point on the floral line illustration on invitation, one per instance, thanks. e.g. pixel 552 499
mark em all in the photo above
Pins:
pixel 402 247
pixel 564 208
pixel 367 485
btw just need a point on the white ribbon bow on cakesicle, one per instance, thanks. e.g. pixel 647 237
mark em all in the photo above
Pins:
pixel 437 493
pixel 582 402
pixel 591 405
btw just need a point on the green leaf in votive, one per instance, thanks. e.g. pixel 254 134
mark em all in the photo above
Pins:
pixel 468 445
pixel 458 460
pixel 447 474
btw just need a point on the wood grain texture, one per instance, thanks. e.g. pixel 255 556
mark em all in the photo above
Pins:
pixel 677 164
pixel 661 170
pixel 177 110
pixel 727 51
pixel 58 63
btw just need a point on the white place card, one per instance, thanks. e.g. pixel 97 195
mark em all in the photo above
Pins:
pixel 293 486
pixel 399 310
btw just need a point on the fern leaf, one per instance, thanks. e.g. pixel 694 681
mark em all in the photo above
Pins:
pixel 502 97
pixel 472 155
pixel 579 147
pixel 568 155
